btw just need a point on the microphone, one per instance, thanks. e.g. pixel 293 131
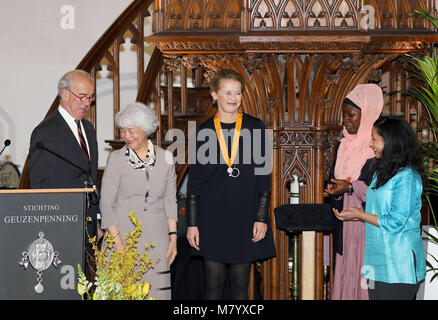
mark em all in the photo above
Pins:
pixel 41 146
pixel 7 143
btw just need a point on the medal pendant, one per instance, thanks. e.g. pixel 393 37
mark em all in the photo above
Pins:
pixel 233 172
pixel 40 255
pixel 39 288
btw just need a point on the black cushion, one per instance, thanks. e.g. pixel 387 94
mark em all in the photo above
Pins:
pixel 303 217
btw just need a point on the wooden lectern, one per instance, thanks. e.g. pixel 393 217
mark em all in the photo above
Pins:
pixel 42 234
pixel 308 219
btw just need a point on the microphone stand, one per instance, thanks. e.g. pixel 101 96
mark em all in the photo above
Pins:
pixel 7 143
pixel 89 182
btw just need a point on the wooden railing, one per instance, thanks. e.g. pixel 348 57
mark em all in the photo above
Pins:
pixel 151 90
pixel 107 50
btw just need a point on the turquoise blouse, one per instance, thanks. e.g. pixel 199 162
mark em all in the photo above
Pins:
pixel 388 249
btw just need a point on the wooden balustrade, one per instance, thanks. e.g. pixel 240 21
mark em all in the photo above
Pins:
pixel 106 51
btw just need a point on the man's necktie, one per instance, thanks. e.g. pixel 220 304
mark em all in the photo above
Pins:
pixel 82 140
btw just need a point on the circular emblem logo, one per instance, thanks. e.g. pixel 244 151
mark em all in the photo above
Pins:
pixel 41 253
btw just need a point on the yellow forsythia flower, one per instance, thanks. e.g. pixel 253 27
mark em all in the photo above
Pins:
pixel 138 291
pixel 145 290
pixel 132 289
pixel 119 272
pixel 133 218
pixel 80 289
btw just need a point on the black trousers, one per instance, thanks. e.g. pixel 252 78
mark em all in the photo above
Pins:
pixel 392 291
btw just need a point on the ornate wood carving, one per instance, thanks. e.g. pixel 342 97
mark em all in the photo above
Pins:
pixel 197 14
pixel 299 96
pixel 292 14
pixel 290 44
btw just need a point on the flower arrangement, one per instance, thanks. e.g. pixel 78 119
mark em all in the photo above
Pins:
pixel 118 273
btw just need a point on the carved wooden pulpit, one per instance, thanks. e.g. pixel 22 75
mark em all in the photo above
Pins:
pixel 299 59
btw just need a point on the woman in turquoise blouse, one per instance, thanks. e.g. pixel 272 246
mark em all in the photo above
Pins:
pixel 394 261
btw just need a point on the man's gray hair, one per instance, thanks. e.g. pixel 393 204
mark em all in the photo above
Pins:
pixel 66 82
pixel 137 115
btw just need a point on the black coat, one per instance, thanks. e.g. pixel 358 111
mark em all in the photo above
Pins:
pixel 228 206
pixel 47 171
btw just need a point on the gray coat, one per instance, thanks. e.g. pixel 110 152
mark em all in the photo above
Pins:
pixel 123 190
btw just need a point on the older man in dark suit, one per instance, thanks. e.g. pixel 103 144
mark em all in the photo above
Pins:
pixel 63 147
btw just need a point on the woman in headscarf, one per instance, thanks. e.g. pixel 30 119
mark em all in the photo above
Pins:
pixel 351 173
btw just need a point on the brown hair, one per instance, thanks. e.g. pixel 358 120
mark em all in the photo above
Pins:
pixel 225 74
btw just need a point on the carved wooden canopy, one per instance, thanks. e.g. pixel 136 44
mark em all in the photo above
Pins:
pixel 290 25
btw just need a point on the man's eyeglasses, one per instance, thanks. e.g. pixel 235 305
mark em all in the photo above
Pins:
pixel 83 98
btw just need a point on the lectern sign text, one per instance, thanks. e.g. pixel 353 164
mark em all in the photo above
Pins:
pixel 41 238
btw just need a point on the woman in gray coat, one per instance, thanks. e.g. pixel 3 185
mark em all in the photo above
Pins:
pixel 141 177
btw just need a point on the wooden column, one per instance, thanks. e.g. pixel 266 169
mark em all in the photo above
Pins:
pixel 170 119
pixel 140 49
pixel 319 240
pixel 116 83
pixel 158 17
pixel 158 112
pixel 319 266
pixel 308 266
pixel 275 275
pixel 183 89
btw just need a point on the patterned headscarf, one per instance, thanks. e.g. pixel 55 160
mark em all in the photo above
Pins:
pixel 354 149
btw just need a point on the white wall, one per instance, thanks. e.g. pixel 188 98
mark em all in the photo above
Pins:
pixel 35 51
pixel 429 290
